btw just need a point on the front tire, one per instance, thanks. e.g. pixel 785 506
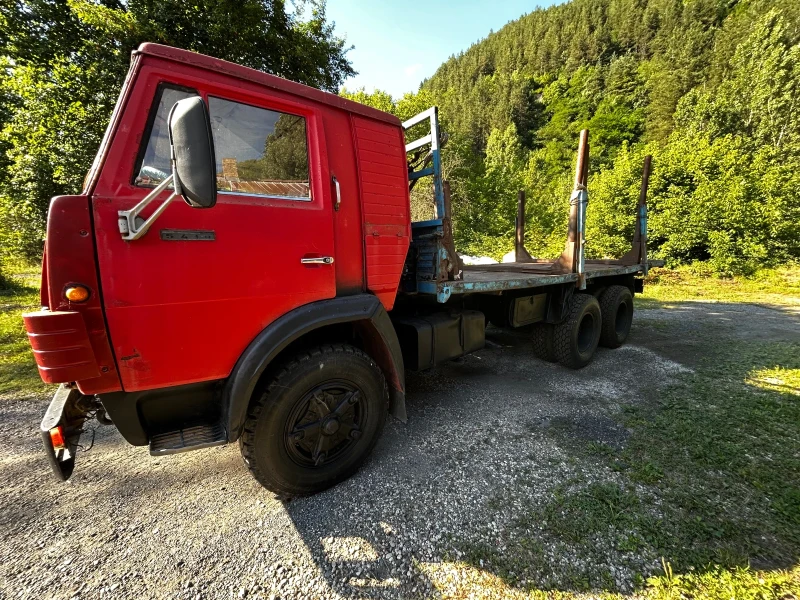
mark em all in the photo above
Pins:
pixel 576 337
pixel 316 421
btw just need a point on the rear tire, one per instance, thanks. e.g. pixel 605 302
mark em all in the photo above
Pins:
pixel 542 335
pixel 576 338
pixel 616 307
pixel 316 421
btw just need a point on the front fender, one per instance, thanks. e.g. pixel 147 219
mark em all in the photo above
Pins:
pixel 362 309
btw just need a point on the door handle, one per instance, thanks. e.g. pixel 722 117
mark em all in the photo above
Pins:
pixel 317 260
pixel 338 193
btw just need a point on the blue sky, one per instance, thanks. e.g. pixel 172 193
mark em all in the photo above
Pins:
pixel 398 44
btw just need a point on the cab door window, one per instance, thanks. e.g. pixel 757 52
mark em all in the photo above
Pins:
pixel 259 152
pixel 153 165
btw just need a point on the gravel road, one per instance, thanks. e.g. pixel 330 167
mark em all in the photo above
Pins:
pixel 485 438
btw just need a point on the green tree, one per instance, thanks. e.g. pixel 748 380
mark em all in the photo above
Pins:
pixel 761 98
pixel 52 138
pixel 377 99
pixel 65 60
pixel 709 87
pixel 285 154
pixel 486 219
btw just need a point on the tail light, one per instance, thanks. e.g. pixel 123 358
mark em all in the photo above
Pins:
pixel 57 437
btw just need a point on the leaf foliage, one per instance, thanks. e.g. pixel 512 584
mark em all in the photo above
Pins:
pixel 62 64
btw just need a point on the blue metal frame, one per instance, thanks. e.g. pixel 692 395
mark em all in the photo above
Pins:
pixel 432 140
pixel 421 174
pixel 431 223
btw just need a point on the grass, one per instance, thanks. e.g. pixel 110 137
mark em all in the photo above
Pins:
pixel 779 379
pixel 577 516
pixel 459 580
pixel 769 286
pixel 19 293
pixel 725 448
pixel 725 584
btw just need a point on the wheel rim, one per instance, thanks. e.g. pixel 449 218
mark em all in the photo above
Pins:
pixel 325 424
pixel 622 322
pixel 586 333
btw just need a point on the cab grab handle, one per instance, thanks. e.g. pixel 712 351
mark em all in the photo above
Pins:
pixel 338 193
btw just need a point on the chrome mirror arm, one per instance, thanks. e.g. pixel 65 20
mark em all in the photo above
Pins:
pixel 127 218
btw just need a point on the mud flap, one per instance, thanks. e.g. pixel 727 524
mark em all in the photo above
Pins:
pixel 65 412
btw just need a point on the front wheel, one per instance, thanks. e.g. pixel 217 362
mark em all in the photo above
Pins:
pixel 316 421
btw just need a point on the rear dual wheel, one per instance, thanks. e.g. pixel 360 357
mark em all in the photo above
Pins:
pixel 616 307
pixel 543 345
pixel 575 339
pixel 590 322
pixel 316 421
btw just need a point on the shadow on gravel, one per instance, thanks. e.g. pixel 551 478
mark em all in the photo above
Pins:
pixel 520 475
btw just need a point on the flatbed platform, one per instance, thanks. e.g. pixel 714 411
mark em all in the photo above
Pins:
pixel 433 257
pixel 476 279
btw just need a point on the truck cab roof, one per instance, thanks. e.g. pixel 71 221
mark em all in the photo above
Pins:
pixel 279 83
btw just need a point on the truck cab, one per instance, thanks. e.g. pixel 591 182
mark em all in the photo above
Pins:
pixel 240 266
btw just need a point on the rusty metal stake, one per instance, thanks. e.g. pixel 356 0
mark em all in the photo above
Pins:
pixel 450 267
pixel 572 259
pixel 520 252
pixel 638 252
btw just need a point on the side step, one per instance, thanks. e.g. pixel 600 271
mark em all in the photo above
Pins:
pixel 191 438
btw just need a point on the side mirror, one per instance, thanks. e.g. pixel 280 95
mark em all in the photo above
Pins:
pixel 194 164
pixel 194 168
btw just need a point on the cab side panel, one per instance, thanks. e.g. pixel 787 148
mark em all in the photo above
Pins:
pixel 385 204
pixel 347 219
pixel 70 257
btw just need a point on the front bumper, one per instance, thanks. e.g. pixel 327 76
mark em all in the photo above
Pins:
pixel 68 411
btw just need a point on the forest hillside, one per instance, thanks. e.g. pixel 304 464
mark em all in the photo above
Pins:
pixel 710 88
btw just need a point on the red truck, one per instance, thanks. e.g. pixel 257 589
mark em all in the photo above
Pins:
pixel 281 302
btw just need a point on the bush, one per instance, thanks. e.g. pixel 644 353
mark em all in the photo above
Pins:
pixel 709 200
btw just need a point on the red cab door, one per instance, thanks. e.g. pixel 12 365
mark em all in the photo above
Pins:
pixel 184 301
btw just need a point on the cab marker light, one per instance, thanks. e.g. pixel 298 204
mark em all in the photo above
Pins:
pixel 57 437
pixel 76 293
